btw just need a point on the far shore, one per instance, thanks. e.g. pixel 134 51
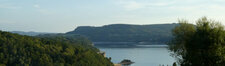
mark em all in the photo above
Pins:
pixel 130 43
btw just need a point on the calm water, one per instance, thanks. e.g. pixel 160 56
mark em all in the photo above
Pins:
pixel 143 55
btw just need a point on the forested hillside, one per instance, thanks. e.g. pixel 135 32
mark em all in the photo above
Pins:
pixel 156 33
pixel 31 33
pixel 17 50
pixel 71 38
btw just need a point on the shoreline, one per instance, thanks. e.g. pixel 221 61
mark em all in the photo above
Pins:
pixel 130 43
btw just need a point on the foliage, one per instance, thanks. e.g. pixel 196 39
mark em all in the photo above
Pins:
pixel 127 33
pixel 200 45
pixel 17 50
pixel 174 64
pixel 71 38
pixel 126 62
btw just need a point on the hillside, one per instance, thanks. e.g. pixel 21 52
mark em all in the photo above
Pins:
pixel 29 33
pixel 18 50
pixel 71 38
pixel 156 33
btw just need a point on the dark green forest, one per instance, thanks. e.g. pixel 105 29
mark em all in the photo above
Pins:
pixel 158 33
pixel 18 50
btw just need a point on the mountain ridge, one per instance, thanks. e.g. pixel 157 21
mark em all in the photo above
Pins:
pixel 155 33
pixel 29 33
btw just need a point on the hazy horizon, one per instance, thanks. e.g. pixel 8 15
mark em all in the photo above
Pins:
pixel 80 26
pixel 63 16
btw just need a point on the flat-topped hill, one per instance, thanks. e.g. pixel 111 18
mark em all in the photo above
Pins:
pixel 155 33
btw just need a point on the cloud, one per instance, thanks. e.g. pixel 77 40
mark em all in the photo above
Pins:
pixel 9 6
pixel 41 10
pixel 159 4
pixel 134 5
pixel 36 6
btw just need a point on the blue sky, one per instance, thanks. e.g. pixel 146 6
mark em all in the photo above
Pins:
pixel 65 15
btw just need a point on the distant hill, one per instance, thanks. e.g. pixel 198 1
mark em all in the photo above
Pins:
pixel 155 33
pixel 31 33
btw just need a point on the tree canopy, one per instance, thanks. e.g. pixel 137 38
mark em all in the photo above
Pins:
pixel 18 50
pixel 202 44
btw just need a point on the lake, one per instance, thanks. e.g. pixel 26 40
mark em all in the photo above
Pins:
pixel 142 55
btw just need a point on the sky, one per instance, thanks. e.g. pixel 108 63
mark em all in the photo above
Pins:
pixel 61 16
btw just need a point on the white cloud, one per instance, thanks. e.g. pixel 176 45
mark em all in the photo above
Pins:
pixel 9 6
pixel 131 5
pixel 36 6
pixel 41 10
pixel 159 4
pixel 134 5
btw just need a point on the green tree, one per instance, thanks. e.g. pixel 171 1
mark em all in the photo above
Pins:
pixel 174 64
pixel 202 44
pixel 181 34
pixel 18 50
